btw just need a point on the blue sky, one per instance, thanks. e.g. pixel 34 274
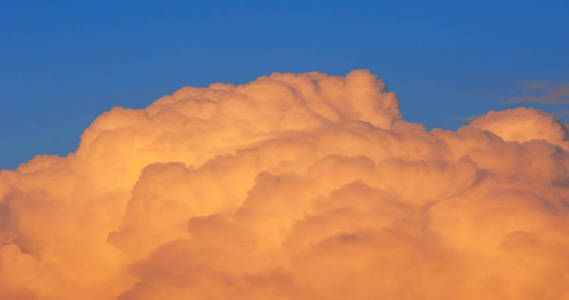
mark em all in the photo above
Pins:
pixel 62 63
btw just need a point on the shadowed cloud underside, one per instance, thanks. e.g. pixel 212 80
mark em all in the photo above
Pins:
pixel 294 186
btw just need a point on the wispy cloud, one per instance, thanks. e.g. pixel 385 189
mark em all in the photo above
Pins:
pixel 550 93
pixel 536 85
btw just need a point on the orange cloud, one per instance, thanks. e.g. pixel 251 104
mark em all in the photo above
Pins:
pixel 294 186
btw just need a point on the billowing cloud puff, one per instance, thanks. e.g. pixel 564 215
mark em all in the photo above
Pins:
pixel 522 125
pixel 293 186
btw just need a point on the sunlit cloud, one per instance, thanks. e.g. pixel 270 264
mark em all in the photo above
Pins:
pixel 294 186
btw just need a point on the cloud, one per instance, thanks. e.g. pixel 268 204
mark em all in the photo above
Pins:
pixel 559 94
pixel 536 85
pixel 531 124
pixel 294 186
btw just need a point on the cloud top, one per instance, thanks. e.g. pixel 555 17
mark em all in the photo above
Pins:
pixel 294 186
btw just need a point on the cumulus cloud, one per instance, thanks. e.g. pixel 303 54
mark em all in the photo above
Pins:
pixel 294 186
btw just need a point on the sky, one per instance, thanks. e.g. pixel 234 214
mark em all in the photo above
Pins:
pixel 62 63
pixel 291 150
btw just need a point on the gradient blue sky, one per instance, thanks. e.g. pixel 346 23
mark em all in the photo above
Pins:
pixel 62 63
